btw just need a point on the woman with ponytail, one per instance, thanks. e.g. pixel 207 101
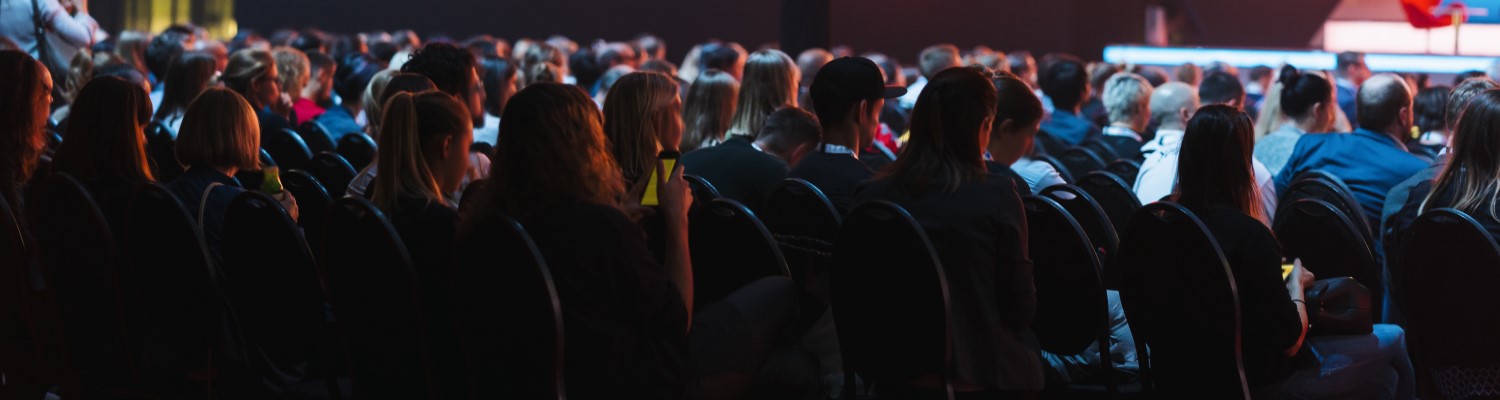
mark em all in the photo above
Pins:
pixel 1307 105
pixel 424 152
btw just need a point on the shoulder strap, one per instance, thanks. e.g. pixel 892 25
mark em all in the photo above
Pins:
pixel 203 203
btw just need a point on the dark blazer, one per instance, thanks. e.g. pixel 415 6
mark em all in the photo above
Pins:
pixel 995 168
pixel 1125 148
pixel 1371 163
pixel 979 233
pixel 1270 322
pixel 1401 206
pixel 189 189
pixel 625 322
pixel 836 175
pixel 739 171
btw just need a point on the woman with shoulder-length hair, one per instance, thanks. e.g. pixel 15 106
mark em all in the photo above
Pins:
pixel 1216 180
pixel 253 74
pixel 105 146
pixel 191 73
pixel 630 333
pixel 978 226
pixel 708 109
pixel 25 96
pixel 220 137
pixel 770 82
pixel 424 151
pixel 642 118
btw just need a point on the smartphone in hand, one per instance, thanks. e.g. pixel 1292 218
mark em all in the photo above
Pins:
pixel 668 160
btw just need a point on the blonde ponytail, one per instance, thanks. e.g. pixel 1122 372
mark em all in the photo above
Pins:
pixel 410 121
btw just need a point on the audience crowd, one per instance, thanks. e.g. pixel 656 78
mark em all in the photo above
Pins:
pixel 614 160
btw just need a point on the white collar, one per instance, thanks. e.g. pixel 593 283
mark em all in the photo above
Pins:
pixel 831 148
pixel 1121 132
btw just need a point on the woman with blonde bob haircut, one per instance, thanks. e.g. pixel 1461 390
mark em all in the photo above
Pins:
pixel 770 83
pixel 220 136
pixel 641 118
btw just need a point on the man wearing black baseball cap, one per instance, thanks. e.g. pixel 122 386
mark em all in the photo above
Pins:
pixel 847 95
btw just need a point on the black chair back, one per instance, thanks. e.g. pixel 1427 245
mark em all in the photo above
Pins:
pixel 312 204
pixel 1180 297
pixel 287 147
pixel 377 299
pixel 1113 195
pixel 17 358
pixel 77 250
pixel 1080 161
pixel 1062 170
pixel 1101 148
pixel 1126 170
pixel 805 224
pixel 1089 215
pixel 332 171
pixel 174 306
pixel 1072 308
pixel 730 248
pixel 703 191
pixel 890 297
pixel 316 136
pixel 1323 186
pixel 1446 289
pixel 1328 243
pixel 1049 145
pixel 512 324
pixel 273 288
pixel 358 149
pixel 161 149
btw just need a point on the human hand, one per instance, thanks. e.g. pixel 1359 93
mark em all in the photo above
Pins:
pixel 1304 277
pixel 673 192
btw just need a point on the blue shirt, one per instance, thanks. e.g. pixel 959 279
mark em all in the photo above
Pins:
pixel 1069 128
pixel 339 122
pixel 1347 100
pixel 1371 163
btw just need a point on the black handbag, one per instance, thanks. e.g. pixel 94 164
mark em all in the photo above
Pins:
pixel 1339 306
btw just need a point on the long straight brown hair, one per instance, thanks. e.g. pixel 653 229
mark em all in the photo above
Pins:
pixel 411 124
pixel 708 109
pixel 106 137
pixel 23 121
pixel 770 82
pixel 946 146
pixel 1473 175
pixel 639 107
pixel 1214 166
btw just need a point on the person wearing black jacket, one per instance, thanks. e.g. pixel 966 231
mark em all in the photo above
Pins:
pixel 848 94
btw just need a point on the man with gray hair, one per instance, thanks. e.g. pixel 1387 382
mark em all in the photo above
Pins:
pixel 1373 158
pixel 1127 99
pixel 1172 105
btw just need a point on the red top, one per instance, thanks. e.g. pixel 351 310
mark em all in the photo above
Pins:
pixel 306 110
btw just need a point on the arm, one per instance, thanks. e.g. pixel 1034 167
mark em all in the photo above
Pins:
pixel 1295 288
pixel 1015 282
pixel 676 198
pixel 77 30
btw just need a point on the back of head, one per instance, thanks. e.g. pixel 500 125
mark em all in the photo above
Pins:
pixel 551 149
pixel 246 66
pixel 1126 96
pixel 1348 59
pixel 937 58
pixel 1224 67
pixel 1214 167
pixel 1065 81
pixel 165 48
pixel 1300 92
pixel 611 76
pixel 638 113
pixel 1016 102
pixel 353 75
pixel 1099 74
pixel 1380 101
pixel 888 66
pixel 104 139
pixel 317 62
pixel 119 70
pixel 709 108
pixel 790 127
pixel 1260 72
pixel 310 41
pixel 370 99
pixel 1429 108
pixel 949 125
pixel 1169 99
pixel 720 56
pixel 1470 178
pixel 660 65
pixel 23 102
pixel 291 69
pixel 412 124
pixel 770 82
pixel 810 61
pixel 1459 99
pixel 189 76
pixel 1021 64
pixel 499 79
pixel 1222 88
pixel 219 130
pixel 399 82
pixel 1188 73
pixel 449 67
pixel 131 46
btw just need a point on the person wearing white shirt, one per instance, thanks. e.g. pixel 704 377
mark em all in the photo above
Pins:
pixel 932 60
pixel 1173 104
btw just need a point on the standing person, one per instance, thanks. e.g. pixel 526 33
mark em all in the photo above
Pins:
pixel 1217 182
pixel 978 228
pixel 69 29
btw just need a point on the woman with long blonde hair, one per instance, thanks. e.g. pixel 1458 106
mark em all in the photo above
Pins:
pixel 770 82
pixel 641 119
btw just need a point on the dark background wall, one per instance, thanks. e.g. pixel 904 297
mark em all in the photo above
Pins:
pixel 900 28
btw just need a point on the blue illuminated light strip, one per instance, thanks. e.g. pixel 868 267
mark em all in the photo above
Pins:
pixel 1301 59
